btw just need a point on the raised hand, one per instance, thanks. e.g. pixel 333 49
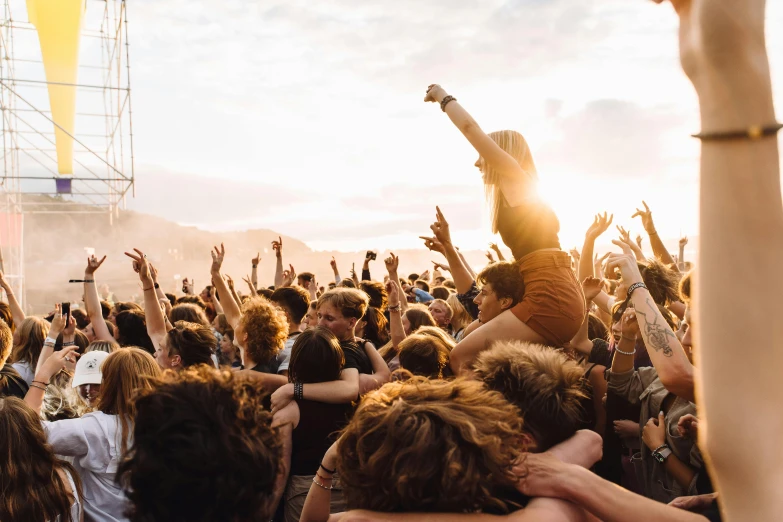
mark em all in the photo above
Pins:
pixel 392 263
pixel 629 325
pixel 333 264
pixel 623 245
pixel 230 282
pixel 628 267
pixel 433 244
pixel 93 264
pixel 575 254
pixel 292 273
pixel 639 241
pixel 288 278
pixel 440 266
pixel 70 328
pixel 393 295
pixel 599 226
pixel 683 241
pixel 154 272
pixel 188 287
pixel 256 259
pixel 441 228
pixel 56 362
pixel 489 256
pixel 592 286
pixel 425 275
pixel 277 246
pixel 58 322
pixel 647 220
pixel 141 267
pixel 435 94
pixel 625 236
pixel 218 255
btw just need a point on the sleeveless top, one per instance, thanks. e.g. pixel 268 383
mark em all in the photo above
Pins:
pixel 528 227
pixel 319 424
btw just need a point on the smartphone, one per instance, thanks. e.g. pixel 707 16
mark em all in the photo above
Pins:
pixel 372 255
pixel 66 310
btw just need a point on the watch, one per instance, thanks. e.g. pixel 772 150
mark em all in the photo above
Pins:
pixel 661 453
pixel 156 286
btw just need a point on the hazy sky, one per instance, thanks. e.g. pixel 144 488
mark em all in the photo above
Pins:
pixel 307 117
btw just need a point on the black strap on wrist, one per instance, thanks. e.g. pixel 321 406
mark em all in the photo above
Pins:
pixel 332 471
pixel 633 288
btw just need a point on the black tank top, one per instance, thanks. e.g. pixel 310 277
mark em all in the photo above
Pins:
pixel 319 424
pixel 528 227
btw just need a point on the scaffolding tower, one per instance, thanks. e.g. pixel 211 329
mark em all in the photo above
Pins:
pixel 103 171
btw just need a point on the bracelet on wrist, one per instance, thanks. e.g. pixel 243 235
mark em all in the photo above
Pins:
pixel 446 100
pixel 39 387
pixel 41 382
pixel 331 471
pixel 315 481
pixel 618 350
pixel 634 287
pixel 156 286
pixel 754 132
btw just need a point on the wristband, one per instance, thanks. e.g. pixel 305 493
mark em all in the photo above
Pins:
pixel 448 99
pixel 39 387
pixel 754 132
pixel 41 382
pixel 156 286
pixel 255 266
pixel 633 288
pixel 332 471
pixel 49 340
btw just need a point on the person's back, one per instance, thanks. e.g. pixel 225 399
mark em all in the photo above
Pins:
pixel 11 382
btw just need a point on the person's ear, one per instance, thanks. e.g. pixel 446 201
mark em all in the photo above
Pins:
pixel 176 361
pixel 352 322
pixel 505 303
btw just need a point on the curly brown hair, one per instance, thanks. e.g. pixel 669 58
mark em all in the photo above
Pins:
pixel 266 328
pixel 506 280
pixel 227 467
pixel 431 446
pixel 543 383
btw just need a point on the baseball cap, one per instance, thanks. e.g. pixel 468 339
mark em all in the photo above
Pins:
pixel 88 369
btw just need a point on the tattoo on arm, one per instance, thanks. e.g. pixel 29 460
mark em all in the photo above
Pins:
pixel 657 335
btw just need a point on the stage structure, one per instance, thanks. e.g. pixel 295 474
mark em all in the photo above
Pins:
pixel 66 105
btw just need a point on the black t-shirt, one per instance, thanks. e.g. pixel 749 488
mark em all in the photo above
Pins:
pixel 355 356
pixel 528 227
pixel 11 383
pixel 319 425
pixel 600 353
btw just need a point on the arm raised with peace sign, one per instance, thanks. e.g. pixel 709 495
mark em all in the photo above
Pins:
pixel 156 321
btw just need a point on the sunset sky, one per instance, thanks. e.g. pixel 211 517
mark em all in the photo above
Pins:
pixel 307 117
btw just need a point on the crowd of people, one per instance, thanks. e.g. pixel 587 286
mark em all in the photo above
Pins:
pixel 551 386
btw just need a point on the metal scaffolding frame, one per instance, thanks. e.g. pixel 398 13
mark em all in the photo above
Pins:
pixel 103 140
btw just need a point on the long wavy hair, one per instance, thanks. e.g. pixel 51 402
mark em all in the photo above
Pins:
pixel 125 372
pixel 31 483
pixel 30 335
pixel 515 145
pixel 431 446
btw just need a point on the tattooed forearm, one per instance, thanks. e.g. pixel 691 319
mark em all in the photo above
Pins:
pixel 656 335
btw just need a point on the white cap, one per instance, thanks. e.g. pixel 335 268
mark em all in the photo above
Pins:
pixel 88 369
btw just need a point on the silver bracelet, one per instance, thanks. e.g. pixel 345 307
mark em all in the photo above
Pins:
pixel 319 484
pixel 618 350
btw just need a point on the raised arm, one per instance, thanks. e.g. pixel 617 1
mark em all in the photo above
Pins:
pixel 681 257
pixel 581 342
pixel 93 302
pixel 625 237
pixel 254 272
pixel 395 313
pixel 337 277
pixel 366 268
pixel 599 226
pixel 230 307
pixel 392 267
pixel 156 321
pixel 277 246
pixel 442 243
pixel 665 351
pixel 16 309
pixel 658 248
pixel 493 155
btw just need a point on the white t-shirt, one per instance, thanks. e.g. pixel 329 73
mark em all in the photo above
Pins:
pixel 24 369
pixel 76 507
pixel 285 356
pixel 94 442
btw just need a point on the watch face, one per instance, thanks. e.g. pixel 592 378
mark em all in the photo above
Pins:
pixel 657 456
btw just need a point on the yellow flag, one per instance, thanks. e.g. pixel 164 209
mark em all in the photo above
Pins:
pixel 59 24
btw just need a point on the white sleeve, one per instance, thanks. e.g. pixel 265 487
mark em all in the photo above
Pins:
pixel 67 437
pixel 84 438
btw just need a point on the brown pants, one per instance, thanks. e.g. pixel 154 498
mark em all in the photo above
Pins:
pixel 554 304
pixel 296 493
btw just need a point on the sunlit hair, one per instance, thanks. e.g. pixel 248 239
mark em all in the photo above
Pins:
pixel 445 304
pixel 132 330
pixel 266 328
pixel 685 287
pixel 6 344
pixel 222 324
pixel 417 316
pixel 543 383
pixel 192 299
pixel 193 342
pixel 6 316
pixel 81 318
pixel 292 299
pixel 350 302
pixel 31 485
pixel 316 356
pixel 506 280
pixel 346 282
pixel 448 283
pixel 30 335
pixel 190 313
pixel 125 306
pixel 440 292
pixel 203 450
pixel 430 446
pixel 125 373
pixel 375 328
pixel 424 355
pixel 102 346
pixel 515 145
pixel 61 400
pixel 376 292
pixel 460 318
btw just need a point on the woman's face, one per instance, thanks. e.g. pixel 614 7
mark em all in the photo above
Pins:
pixel 89 332
pixel 227 348
pixel 440 314
pixel 89 393
pixel 162 355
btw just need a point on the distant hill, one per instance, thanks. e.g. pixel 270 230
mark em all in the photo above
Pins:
pixel 55 252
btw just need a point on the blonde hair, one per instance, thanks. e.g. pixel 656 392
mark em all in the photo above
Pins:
pixel 515 145
pixel 125 373
pixel 32 333
pixel 102 346
pixel 350 302
pixel 460 317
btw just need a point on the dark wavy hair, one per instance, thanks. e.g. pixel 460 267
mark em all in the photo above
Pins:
pixel 33 488
pixel 193 342
pixel 6 316
pixel 431 446
pixel 316 356
pixel 226 468
pixel 376 291
pixel 132 330
pixel 190 313
pixel 376 327
pixel 506 280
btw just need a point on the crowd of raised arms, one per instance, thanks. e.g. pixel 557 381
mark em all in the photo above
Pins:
pixel 551 386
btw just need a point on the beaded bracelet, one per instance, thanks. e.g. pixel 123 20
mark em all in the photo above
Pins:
pixel 319 484
pixel 448 99
pixel 616 349
pixel 298 390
